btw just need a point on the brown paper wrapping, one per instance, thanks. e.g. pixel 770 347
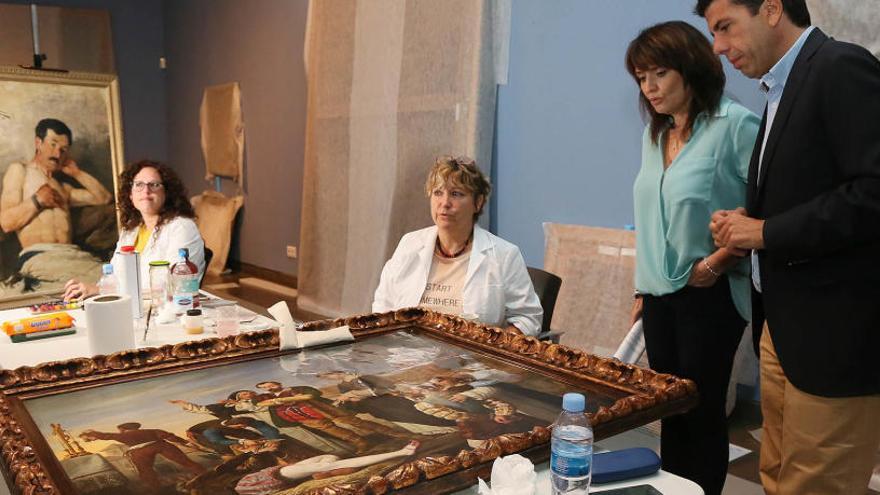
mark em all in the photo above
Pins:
pixel 215 216
pixel 222 131
pixel 597 266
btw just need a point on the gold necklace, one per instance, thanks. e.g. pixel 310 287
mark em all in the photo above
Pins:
pixel 674 143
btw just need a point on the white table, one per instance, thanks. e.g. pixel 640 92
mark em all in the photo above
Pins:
pixel 666 483
pixel 13 355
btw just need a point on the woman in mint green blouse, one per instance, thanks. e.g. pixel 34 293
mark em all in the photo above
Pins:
pixel 693 298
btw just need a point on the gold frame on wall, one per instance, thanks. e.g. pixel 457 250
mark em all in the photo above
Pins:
pixel 88 103
pixel 644 395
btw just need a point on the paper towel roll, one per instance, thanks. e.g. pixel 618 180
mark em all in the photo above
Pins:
pixel 129 278
pixel 109 324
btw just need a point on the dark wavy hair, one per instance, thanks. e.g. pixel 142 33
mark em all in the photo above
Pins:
pixel 679 46
pixel 176 197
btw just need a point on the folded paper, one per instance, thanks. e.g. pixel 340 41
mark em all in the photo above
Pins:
pixel 291 338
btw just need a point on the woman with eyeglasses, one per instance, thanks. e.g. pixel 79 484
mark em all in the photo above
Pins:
pixel 157 219
pixel 456 267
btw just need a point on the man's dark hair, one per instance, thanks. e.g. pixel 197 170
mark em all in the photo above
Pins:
pixel 56 126
pixel 796 10
pixel 681 47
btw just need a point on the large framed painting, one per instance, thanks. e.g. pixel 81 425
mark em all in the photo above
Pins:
pixel 419 403
pixel 60 154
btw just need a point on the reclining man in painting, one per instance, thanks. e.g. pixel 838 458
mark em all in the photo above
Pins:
pixel 36 203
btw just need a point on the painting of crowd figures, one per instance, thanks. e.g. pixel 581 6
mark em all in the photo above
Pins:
pixel 292 424
pixel 60 151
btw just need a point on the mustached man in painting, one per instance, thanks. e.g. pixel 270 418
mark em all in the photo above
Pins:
pixel 37 199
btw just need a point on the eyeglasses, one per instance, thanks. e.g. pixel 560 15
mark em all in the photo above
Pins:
pixel 154 186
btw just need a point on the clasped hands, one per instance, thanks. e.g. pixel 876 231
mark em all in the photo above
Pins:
pixel 736 231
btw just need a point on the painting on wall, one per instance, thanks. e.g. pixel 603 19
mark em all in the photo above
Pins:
pixel 60 154
pixel 410 405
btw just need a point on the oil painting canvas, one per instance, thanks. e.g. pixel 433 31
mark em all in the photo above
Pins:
pixel 292 424
pixel 60 152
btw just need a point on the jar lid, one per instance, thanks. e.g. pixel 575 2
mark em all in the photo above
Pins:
pixel 194 312
pixel 159 263
pixel 127 249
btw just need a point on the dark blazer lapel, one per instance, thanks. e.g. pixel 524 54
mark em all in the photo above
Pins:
pixel 796 77
pixel 752 184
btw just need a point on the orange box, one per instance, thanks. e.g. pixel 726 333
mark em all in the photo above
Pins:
pixel 51 321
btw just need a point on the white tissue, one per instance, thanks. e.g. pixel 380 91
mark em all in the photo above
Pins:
pixel 290 338
pixel 511 475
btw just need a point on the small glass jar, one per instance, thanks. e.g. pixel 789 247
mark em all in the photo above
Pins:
pixel 159 284
pixel 193 322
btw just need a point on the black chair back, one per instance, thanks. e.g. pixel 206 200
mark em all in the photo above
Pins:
pixel 547 287
pixel 209 255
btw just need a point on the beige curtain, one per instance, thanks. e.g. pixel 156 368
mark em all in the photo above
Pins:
pixel 392 84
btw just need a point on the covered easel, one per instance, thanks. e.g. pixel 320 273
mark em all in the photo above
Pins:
pixel 223 149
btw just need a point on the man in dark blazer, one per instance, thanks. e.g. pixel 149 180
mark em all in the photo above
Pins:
pixel 812 227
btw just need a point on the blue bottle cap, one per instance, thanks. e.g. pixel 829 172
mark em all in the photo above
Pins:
pixel 107 269
pixel 629 226
pixel 573 402
pixel 183 252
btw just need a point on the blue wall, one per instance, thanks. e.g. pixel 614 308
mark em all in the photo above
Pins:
pixel 568 128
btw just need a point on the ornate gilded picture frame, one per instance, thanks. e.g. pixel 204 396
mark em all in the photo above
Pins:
pixel 419 403
pixel 57 220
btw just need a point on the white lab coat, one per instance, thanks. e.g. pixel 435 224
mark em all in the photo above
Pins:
pixel 497 287
pixel 180 232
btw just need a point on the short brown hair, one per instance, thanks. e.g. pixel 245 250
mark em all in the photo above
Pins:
pixel 461 171
pixel 681 47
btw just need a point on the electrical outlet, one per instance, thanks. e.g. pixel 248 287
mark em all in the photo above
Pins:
pixel 291 251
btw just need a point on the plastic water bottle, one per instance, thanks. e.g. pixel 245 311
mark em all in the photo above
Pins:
pixel 184 283
pixel 108 283
pixel 571 449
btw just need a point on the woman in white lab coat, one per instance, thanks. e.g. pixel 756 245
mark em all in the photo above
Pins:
pixel 157 219
pixel 455 266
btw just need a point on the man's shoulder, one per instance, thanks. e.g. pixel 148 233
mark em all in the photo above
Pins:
pixel 16 167
pixel 834 52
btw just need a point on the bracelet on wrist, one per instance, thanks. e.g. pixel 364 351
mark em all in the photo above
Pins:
pixel 709 267
pixel 637 294
pixel 36 202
